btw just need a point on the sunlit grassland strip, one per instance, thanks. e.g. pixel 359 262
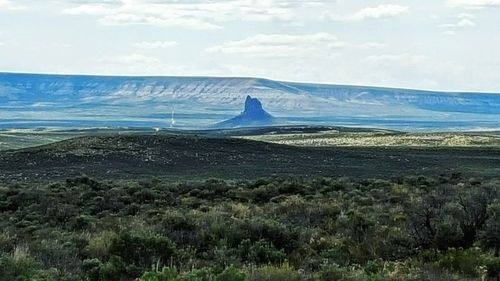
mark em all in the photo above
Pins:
pixel 369 139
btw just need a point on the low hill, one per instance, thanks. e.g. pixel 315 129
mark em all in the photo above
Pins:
pixel 190 157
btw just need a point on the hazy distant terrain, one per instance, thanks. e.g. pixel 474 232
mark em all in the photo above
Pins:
pixel 28 100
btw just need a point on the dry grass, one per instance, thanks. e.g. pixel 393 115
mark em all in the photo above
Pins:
pixel 384 140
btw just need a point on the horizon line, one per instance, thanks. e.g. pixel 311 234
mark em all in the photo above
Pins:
pixel 248 77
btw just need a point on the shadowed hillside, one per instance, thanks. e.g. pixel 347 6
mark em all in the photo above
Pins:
pixel 196 157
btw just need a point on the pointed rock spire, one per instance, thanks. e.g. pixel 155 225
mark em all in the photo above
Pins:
pixel 252 105
pixel 252 115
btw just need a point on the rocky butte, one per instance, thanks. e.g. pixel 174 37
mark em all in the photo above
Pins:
pixel 253 115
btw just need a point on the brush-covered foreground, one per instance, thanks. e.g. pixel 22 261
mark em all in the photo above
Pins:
pixel 414 228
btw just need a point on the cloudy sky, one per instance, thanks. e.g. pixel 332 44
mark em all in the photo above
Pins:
pixel 424 44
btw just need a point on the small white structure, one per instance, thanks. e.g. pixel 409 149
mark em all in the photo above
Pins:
pixel 172 121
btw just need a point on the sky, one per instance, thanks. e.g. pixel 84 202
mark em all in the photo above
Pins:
pixel 449 45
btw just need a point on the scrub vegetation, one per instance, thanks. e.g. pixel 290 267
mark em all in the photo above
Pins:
pixel 279 228
pixel 383 139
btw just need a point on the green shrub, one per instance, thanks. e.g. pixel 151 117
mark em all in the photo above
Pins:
pixel 167 274
pixel 6 242
pixel 274 273
pixel 21 266
pixel 116 270
pixel 492 266
pixel 373 267
pixel 92 268
pixel 203 274
pixel 231 274
pixel 332 273
pixel 99 244
pixel 142 250
pixel 84 180
pixel 260 252
pixel 145 196
pixel 467 262
pixel 490 235
pixel 81 222
pixel 278 233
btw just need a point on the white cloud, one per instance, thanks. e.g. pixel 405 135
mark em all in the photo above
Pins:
pixel 474 4
pixel 402 59
pixel 466 20
pixel 10 5
pixel 156 44
pixel 378 12
pixel 195 14
pixel 462 20
pixel 372 45
pixel 381 11
pixel 281 45
pixel 423 70
pixel 2 44
pixel 140 64
pixel 89 9
pixel 131 64
pixel 466 23
pixel 134 19
pixel 132 59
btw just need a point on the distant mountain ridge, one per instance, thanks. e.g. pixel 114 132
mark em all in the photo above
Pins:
pixel 39 96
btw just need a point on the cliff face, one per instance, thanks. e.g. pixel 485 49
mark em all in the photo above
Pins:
pixel 254 110
pixel 253 115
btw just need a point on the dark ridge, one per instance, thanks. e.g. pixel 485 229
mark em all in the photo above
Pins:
pixel 192 157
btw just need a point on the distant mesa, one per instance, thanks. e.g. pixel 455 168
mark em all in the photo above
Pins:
pixel 253 115
pixel 60 101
